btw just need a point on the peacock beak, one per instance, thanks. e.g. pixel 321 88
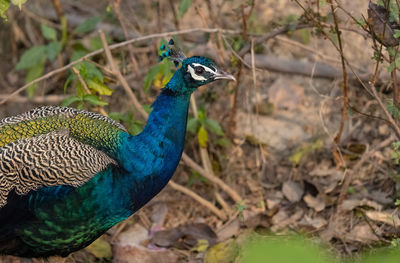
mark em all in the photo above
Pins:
pixel 223 75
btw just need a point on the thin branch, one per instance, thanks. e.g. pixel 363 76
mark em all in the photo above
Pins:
pixel 81 80
pixel 199 199
pixel 345 88
pixel 388 115
pixel 123 81
pixel 116 6
pixel 357 166
pixel 115 46
pixel 192 164
pixel 36 99
pixel 272 34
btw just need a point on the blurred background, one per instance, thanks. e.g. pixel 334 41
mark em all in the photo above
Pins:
pixel 295 161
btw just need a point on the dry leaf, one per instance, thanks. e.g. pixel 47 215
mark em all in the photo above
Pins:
pixel 317 203
pixel 292 191
pixel 384 217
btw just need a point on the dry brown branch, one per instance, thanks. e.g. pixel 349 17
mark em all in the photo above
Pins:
pixel 272 34
pixel 36 99
pixel 205 158
pixel 116 6
pixel 312 50
pixel 199 199
pixel 351 173
pixel 393 123
pixel 115 46
pixel 192 164
pixel 235 53
pixel 81 80
pixel 118 73
pixel 338 136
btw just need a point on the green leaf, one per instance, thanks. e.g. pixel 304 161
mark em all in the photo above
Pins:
pixel 99 87
pixel 53 49
pixel 391 67
pixel 18 3
pixel 196 177
pixel 193 124
pixel 31 57
pixel 96 43
pixel 183 7
pixel 151 74
pixel 100 248
pixel 202 115
pixel 213 126
pixel 201 246
pixel 4 5
pixel 88 25
pixel 49 33
pixel 396 33
pixel 116 116
pixel 224 142
pixel 78 54
pixel 93 99
pixel 34 73
pixel 71 77
pixel 135 128
pixel 92 71
pixel 89 71
pixel 147 108
pixel 361 21
pixel 202 136
pixel 68 101
pixel 392 109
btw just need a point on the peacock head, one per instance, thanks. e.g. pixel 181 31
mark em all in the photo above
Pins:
pixel 195 71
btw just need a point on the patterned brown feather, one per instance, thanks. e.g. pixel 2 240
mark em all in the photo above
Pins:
pixel 48 160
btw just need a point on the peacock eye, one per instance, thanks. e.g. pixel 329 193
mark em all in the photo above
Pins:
pixel 199 70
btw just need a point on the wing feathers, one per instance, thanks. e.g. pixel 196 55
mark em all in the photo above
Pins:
pixel 47 111
pixel 48 160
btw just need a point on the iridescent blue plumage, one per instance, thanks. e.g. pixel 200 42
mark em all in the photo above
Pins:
pixel 62 218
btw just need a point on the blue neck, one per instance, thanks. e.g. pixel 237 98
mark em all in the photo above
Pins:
pixel 151 157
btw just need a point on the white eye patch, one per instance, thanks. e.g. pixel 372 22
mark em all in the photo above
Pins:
pixel 213 71
pixel 194 75
pixel 199 77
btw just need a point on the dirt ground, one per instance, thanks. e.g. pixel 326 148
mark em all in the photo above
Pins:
pixel 280 126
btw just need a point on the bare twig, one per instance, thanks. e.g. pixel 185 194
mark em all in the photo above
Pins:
pixel 116 6
pixel 81 81
pixel 115 46
pixel 198 198
pixel 118 73
pixel 232 193
pixel 351 173
pixel 345 89
pixel 393 123
pixel 36 99
pixel 205 158
pixel 272 34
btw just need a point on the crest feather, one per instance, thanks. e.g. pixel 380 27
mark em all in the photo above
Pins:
pixel 172 53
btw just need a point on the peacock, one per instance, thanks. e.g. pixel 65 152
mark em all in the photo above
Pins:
pixel 68 175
